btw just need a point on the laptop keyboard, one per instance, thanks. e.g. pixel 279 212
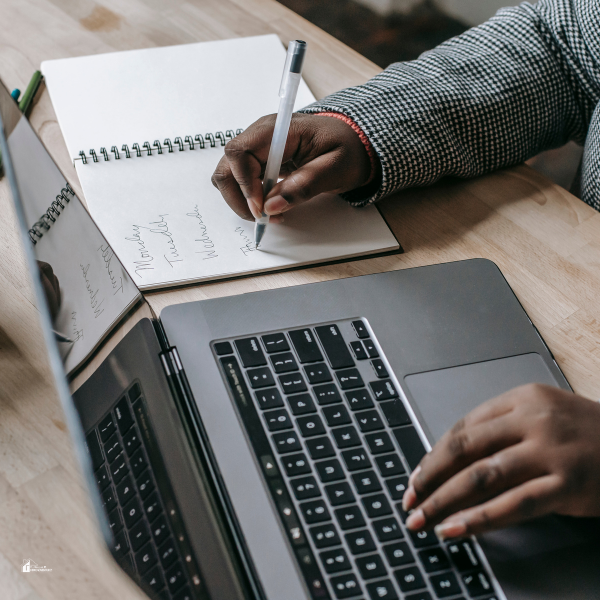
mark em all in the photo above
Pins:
pixel 336 445
pixel 143 518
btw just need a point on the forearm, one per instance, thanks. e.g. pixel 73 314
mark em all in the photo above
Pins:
pixel 490 98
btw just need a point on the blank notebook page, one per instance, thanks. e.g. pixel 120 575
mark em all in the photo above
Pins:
pixel 159 211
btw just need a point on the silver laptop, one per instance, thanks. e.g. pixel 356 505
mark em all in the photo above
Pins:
pixel 258 446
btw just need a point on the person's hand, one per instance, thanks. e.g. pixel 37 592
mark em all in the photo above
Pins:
pixel 51 287
pixel 530 452
pixel 322 154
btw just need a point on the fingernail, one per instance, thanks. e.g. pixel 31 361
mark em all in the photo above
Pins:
pixel 416 520
pixel 409 498
pixel 450 529
pixel 276 205
pixel 411 479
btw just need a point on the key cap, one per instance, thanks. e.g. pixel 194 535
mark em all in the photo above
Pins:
pixel 145 559
pixel 330 470
pixel 395 413
pixel 422 596
pixel 349 378
pixel 269 398
pixel 421 539
pixel 145 484
pixel 93 446
pixel 152 506
pixel 335 561
pixel 135 392
pixel 137 462
pixel 445 585
pixel 311 425
pixel 286 442
pixel 327 394
pixel 109 499
pixel 175 577
pixel 398 554
pixel 335 347
pixel 278 419
pixel 370 348
pixel 125 490
pixel 315 511
pixel 366 483
pixel 379 368
pixel 320 448
pixel 477 584
pixel 349 517
pixel 296 464
pixel 112 448
pixel 377 505
pixel 360 329
pixel 383 390
pixel 409 579
pixel 250 352
pixel 292 383
pixel 154 579
pixel 132 512
pixel 345 586
pixel 371 566
pixel 121 546
pixel 139 535
pixel 260 378
pixel 102 478
pixel 359 399
pixel 356 459
pixel 325 535
pixel 397 486
pixel 369 420
pixel 118 469
pixel 106 427
pixel 306 345
pixel 223 348
pixel 123 415
pixel 389 464
pixel 463 555
pixel 387 529
pixel 411 445
pixel 336 415
pixel 346 437
pixel 434 559
pixel 275 342
pixel 318 373
pixel 379 442
pixel 360 542
pixel 159 530
pixel 339 493
pixel 403 514
pixel 114 520
pixel 284 363
pixel 359 350
pixel 382 590
pixel 131 441
pixel 167 553
pixel 301 404
pixel 305 488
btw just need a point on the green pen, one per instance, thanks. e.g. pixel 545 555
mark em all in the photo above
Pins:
pixel 32 88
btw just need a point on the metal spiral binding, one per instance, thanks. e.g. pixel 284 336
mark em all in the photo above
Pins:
pixel 191 142
pixel 52 213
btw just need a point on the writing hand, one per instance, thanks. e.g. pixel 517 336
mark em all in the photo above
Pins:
pixel 530 452
pixel 322 154
pixel 51 287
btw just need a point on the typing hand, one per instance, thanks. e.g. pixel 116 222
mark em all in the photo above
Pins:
pixel 532 451
pixel 322 154
pixel 51 287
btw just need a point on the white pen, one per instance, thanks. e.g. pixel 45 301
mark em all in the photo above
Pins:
pixel 292 74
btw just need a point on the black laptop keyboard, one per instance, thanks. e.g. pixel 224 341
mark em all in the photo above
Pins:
pixel 336 445
pixel 144 521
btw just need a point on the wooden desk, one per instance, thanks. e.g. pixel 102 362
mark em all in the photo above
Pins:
pixel 545 241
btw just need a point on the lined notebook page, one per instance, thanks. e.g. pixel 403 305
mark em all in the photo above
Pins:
pixel 96 291
pixel 161 214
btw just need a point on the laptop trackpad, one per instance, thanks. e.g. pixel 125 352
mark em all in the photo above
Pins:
pixel 446 395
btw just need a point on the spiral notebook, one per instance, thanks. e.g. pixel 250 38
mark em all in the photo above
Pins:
pixel 146 129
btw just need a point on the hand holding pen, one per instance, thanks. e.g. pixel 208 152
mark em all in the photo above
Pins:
pixel 322 154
